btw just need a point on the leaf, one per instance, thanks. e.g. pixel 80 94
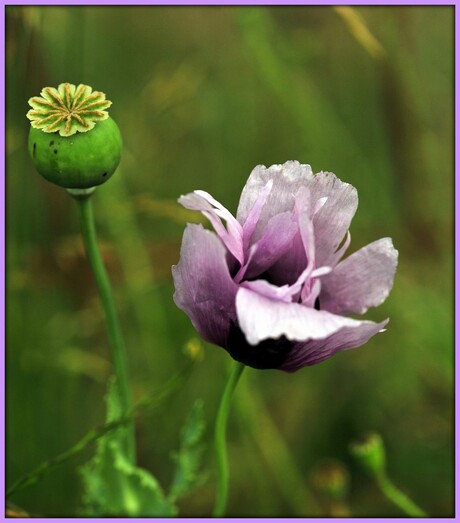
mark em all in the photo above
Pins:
pixel 113 486
pixel 188 458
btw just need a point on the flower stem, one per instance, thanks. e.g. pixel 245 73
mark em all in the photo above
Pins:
pixel 113 328
pixel 221 442
pixel 393 494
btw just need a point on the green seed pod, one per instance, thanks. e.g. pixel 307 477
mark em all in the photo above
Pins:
pixel 73 142
pixel 80 161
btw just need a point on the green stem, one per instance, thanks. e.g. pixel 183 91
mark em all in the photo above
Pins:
pixel 393 494
pixel 221 442
pixel 113 328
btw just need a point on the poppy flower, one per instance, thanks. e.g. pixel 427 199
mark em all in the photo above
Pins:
pixel 270 285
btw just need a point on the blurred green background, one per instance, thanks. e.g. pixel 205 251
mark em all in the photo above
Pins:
pixel 202 95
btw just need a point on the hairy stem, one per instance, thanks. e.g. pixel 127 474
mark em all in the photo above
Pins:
pixel 221 442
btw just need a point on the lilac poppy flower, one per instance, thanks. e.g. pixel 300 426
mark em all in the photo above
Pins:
pixel 269 286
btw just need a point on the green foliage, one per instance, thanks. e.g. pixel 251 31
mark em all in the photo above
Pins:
pixel 113 486
pixel 188 458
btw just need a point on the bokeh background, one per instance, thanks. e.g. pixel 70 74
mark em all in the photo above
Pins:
pixel 202 95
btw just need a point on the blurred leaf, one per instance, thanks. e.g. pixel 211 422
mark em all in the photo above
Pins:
pixel 358 28
pixel 188 459
pixel 116 421
pixel 116 487
pixel 113 485
pixel 269 53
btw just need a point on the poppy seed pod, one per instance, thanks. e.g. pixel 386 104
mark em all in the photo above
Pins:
pixel 73 142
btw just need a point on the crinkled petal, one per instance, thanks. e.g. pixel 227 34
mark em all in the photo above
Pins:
pixel 252 219
pixel 333 219
pixel 264 288
pixel 287 179
pixel 362 280
pixel 315 351
pixel 232 237
pixel 261 318
pixel 205 290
